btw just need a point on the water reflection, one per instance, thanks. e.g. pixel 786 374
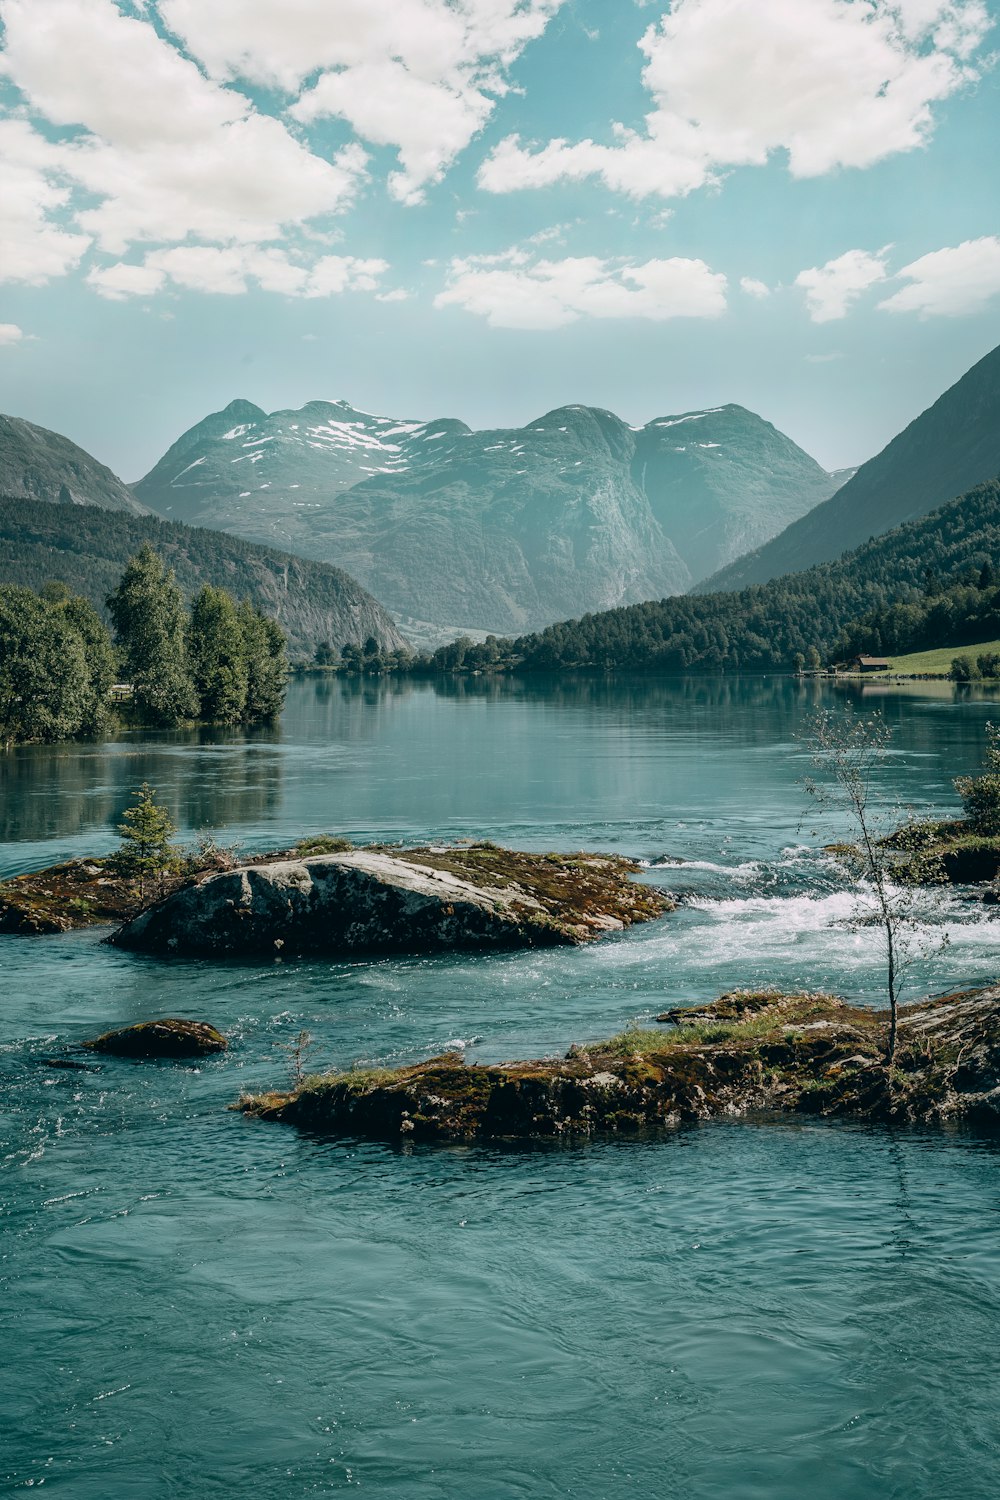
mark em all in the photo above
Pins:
pixel 208 778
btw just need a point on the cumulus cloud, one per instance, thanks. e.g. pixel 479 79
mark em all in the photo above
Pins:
pixel 831 83
pixel 832 289
pixel 418 75
pixel 36 246
pixel 230 271
pixel 11 334
pixel 754 288
pixel 165 152
pixel 950 282
pixel 134 125
pixel 513 290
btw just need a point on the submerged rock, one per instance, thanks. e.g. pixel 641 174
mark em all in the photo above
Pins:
pixel 381 901
pixel 745 1054
pixel 166 1038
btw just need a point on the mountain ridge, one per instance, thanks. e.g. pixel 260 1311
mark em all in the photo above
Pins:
pixel 39 464
pixel 496 529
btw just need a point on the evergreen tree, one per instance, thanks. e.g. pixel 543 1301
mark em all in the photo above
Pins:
pixel 217 653
pixel 147 610
pixel 146 853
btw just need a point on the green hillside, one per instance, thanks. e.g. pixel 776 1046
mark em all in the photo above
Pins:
pixel 938 663
pixel 952 446
pixel 86 547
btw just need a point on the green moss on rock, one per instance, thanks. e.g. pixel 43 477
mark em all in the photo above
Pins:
pixel 747 1053
pixel 168 1038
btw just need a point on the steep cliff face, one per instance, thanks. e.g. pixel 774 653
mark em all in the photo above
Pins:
pixel 40 465
pixel 944 452
pixel 503 530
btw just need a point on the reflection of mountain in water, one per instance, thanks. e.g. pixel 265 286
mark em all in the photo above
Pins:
pixel 209 778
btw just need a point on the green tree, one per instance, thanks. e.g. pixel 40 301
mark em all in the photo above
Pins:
pixel 147 610
pixel 266 658
pixel 981 794
pixel 84 620
pixel 217 653
pixel 49 687
pixel 146 853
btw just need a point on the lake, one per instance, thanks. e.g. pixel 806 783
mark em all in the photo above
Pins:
pixel 199 1305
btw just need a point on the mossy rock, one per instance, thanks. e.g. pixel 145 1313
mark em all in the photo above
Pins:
pixel 166 1038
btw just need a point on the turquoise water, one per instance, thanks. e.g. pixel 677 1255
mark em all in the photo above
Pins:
pixel 199 1305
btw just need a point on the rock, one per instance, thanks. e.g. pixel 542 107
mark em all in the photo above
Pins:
pixel 376 901
pixel 166 1038
pixel 807 1054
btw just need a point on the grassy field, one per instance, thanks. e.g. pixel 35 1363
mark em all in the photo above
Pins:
pixel 938 663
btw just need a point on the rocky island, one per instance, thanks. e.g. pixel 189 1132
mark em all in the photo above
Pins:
pixel 389 900
pixel 748 1053
pixel 327 897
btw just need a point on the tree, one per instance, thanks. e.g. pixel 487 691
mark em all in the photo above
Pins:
pixel 217 653
pixel 848 751
pixel 981 794
pixel 266 658
pixel 52 673
pixel 147 610
pixel 146 852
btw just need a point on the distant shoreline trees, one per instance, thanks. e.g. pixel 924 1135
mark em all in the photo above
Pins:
pixel 217 662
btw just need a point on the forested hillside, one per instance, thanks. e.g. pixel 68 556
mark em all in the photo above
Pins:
pixel 805 615
pixel 942 453
pixel 87 547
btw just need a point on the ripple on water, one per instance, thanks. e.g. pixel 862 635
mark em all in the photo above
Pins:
pixel 200 1305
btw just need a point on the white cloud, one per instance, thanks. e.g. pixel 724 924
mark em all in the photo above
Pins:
pixel 419 75
pixel 754 288
pixel 396 295
pixel 11 334
pixel 512 290
pixel 832 289
pixel 36 246
pixel 230 270
pixel 167 153
pixel 832 83
pixel 119 282
pixel 950 282
pixel 428 121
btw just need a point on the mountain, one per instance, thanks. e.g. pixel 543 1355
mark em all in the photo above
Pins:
pixel 500 530
pixel 42 465
pixel 952 446
pixel 87 548
pixel 933 580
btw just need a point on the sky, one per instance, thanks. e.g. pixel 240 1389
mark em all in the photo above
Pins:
pixel 489 208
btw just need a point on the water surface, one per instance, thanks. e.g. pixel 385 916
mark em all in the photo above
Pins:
pixel 199 1305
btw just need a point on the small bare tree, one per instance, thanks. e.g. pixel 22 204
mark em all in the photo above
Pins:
pixel 888 844
pixel 297 1051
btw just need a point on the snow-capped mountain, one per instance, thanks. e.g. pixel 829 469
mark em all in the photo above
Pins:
pixel 503 530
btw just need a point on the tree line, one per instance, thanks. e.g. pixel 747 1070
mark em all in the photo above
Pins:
pixel 216 661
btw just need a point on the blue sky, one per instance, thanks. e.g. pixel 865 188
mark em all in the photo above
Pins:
pixel 487 208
